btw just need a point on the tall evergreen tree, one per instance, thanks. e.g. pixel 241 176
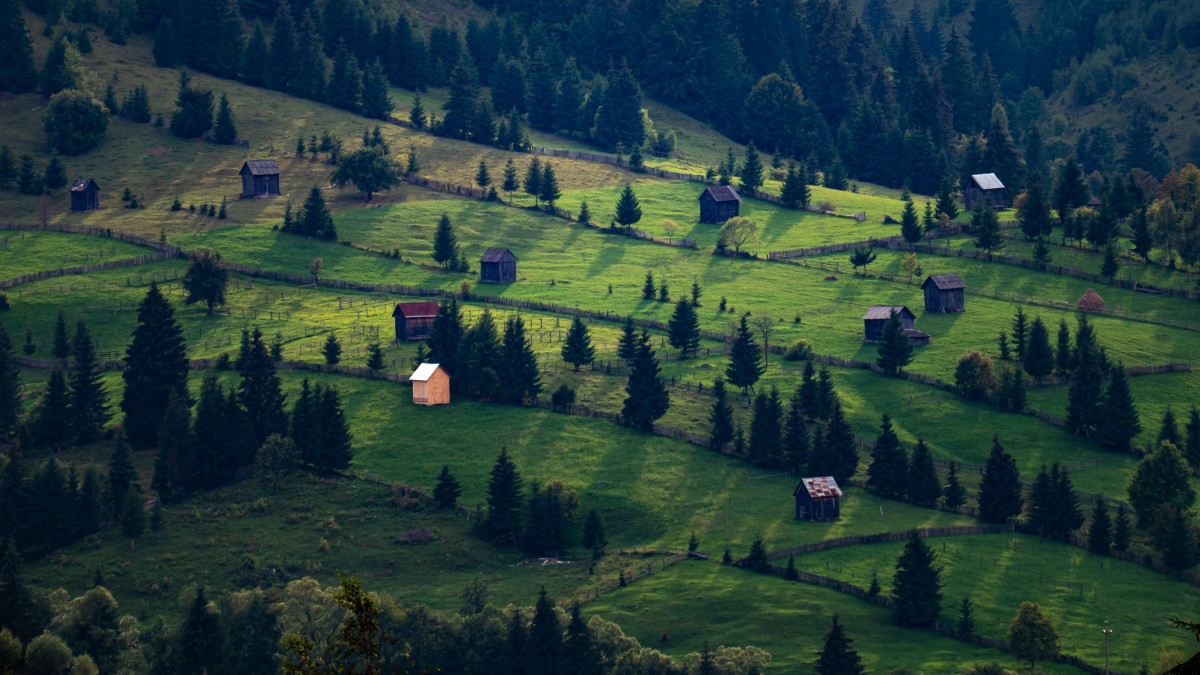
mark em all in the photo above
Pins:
pixel 594 538
pixel 1064 358
pixel 1100 530
pixel 260 393
pixel 647 398
pixel 985 225
pixel 445 336
pixel 445 244
pixel 345 89
pixel 173 463
pixel 1000 486
pixel 795 193
pixel 751 174
pixel 480 359
pixel 1085 395
pixel 121 476
pixel 503 519
pixel 683 330
pixel 464 99
pixel 917 585
pixel 533 180
pixel 721 417
pixel 1168 430
pixel 910 228
pixel 954 493
pixel 336 450
pixel 518 365
pixel 540 103
pixel 745 359
pixel 1020 334
pixel 796 441
pixel 888 472
pixel 945 201
pixel 52 417
pixel 579 654
pixel 548 190
pixel 577 349
pixel 376 102
pixel 1191 447
pixel 193 115
pixel 1119 423
pixel 17 72
pixel 510 184
pixel 810 393
pixel 619 117
pixel 545 639
pixel 766 429
pixel 837 656
pixel 63 68
pixel 895 349
pixel 447 490
pixel 200 635
pixel 840 447
pixel 628 344
pixel 225 132
pixel 923 487
pixel 10 390
pixel 89 400
pixel 155 365
pixel 629 211
pixel 255 65
pixel 1122 529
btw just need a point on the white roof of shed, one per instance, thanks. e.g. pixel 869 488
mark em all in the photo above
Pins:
pixel 987 181
pixel 423 372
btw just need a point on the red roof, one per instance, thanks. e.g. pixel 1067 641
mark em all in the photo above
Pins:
pixel 416 310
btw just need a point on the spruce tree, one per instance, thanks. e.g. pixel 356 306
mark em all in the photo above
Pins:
pixel 966 617
pixel 795 192
pixel 745 359
pixel 447 490
pixel 8 170
pixel 336 441
pixel 17 72
pixel 577 349
pixel 594 538
pixel 1143 237
pixel 445 244
pixel 445 336
pixel 1122 530
pixel 647 398
pixel 545 639
pixel 55 176
pixel 29 181
pixel 986 228
pixel 579 653
pixel 503 519
pixel 1000 486
pixel 766 429
pixel 1178 542
pixel 482 178
pixel 510 184
pixel 628 344
pixel 533 180
pixel 1085 395
pixel 837 656
pixel 193 115
pixel 260 393
pixel 63 68
pixel 751 174
pixel 173 463
pixel 200 635
pixel 1168 430
pixel 1119 423
pixel 155 365
pixel 923 487
pixel 480 359
pixel 945 201
pixel 225 131
pixel 1111 265
pixel 416 116
pixel 648 286
pixel 840 446
pixel 518 365
pixel 52 417
pixel 10 390
pixel 810 393
pixel 895 350
pixel 796 441
pixel 376 102
pixel 332 350
pixel 1100 530
pixel 917 585
pixel 548 190
pixel 314 219
pixel 1191 447
pixel 89 400
pixel 910 228
pixel 1020 334
pixel 728 168
pixel 121 476
pixel 619 116
pixel 888 472
pixel 721 417
pixel 345 81
pixel 954 493
pixel 629 211
pixel 1038 356
pixel 1064 356
pixel 683 330
pixel 374 357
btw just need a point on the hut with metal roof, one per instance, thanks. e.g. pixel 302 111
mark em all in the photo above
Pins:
pixel 85 195
pixel 878 315
pixel 985 187
pixel 944 293
pixel 260 178
pixel 818 498
pixel 497 265
pixel 719 203
pixel 431 385
pixel 1090 302
pixel 414 320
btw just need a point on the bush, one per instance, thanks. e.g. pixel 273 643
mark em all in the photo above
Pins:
pixel 974 376
pixel 562 398
pixel 75 122
pixel 799 350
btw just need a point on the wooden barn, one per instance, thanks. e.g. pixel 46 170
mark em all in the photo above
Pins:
pixel 414 320
pixel 260 178
pixel 85 195
pixel 985 186
pixel 818 499
pixel 719 203
pixel 944 294
pixel 431 385
pixel 878 315
pixel 497 265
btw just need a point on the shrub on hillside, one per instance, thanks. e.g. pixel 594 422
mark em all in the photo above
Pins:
pixel 799 350
pixel 75 122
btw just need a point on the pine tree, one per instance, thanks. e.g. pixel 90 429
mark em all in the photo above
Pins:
pixel 579 654
pixel 1119 423
pixel 795 192
pixel 225 131
pixel 17 72
pixel 966 617
pixel 840 447
pixel 838 657
pixel 1000 486
pixel 200 635
pixel 796 442
pixel 445 244
pixel 332 349
pixel 1064 356
pixel 594 538
pixel 314 219
pixel 29 181
pixel 480 359
pixel 482 177
pixel 63 68
pixel 194 109
pixel 629 211
pixel 52 417
pixel 503 518
pixel 895 349
pixel 548 190
pixel 10 391
pixel 751 174
pixel 810 393
pixel 376 102
pixel 545 638
pixel 1122 530
pixel 533 180
pixel 647 398
pixel 447 490
pixel 121 476
pixel 155 365
pixel 648 286
pixel 766 428
pixel 986 228
pixel 577 349
pixel 89 400
pixel 260 393
pixel 627 346
pixel 1168 431
pixel 585 214
pixel 510 184
pixel 1085 395
pixel 1191 447
pixel 445 336
pixel 1020 334
pixel 945 201
pixel 336 451
pixel 683 330
pixel 1034 214
pixel 55 176
pixel 518 365
pixel 916 585
pixel 888 472
pixel 728 168
pixel 1143 238
pixel 1178 543
pixel 8 170
pixel 619 116
pixel 1100 531
pixel 721 417
pixel 910 229
pixel 173 463
pixel 745 359
pixel 1038 356
pixel 923 486
pixel 345 81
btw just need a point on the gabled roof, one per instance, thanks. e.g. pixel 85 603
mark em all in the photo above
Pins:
pixel 416 310
pixel 913 333
pixel 81 184
pixel 722 193
pixel 260 167
pixel 818 487
pixel 497 254
pixel 884 312
pixel 987 181
pixel 423 372
pixel 944 282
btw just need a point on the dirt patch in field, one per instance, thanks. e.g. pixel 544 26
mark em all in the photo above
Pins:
pixel 158 150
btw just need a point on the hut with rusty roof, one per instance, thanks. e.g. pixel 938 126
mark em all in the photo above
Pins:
pixel 414 320
pixel 719 203
pixel 85 195
pixel 878 315
pixel 818 498
pixel 260 178
pixel 985 187
pixel 497 265
pixel 944 293
pixel 1090 302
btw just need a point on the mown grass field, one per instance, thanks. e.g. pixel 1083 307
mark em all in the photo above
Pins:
pixel 27 252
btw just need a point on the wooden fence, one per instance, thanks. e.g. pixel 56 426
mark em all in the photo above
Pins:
pixel 87 269
pixel 884 537
pixel 885 242
pixel 613 161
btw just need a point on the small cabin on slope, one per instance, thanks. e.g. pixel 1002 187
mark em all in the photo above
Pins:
pixel 431 385
pixel 878 315
pixel 85 195
pixel 944 293
pixel 985 187
pixel 260 178
pixel 818 498
pixel 719 203
pixel 497 265
pixel 414 320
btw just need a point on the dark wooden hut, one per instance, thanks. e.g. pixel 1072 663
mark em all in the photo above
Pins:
pixel 719 203
pixel 985 186
pixel 260 178
pixel 414 320
pixel 818 498
pixel 944 293
pixel 878 315
pixel 497 265
pixel 85 195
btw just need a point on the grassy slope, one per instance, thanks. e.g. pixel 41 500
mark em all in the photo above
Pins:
pixel 26 252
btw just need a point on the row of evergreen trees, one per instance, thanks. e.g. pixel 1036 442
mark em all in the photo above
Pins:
pixel 25 177
pixel 482 363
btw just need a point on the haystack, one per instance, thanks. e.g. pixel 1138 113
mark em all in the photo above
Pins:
pixel 1091 302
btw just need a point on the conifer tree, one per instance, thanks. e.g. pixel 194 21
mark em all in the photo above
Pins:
pixel 1168 431
pixel 121 476
pixel 986 228
pixel 52 417
pixel 482 178
pixel 335 451
pixel 29 181
pixel 629 211
pixel 206 279
pixel 155 365
pixel 533 180
pixel 579 654
pixel 1020 334
pixel 916 585
pixel 945 201
pixel 647 398
pixel 1178 541
pixel 796 443
pixel 255 65
pixel 1100 530
pixel 1120 423
pixel 548 190
pixel 445 244
pixel 8 170
pixel 648 286
pixel 447 490
pixel 728 168
pixel 89 400
pixel 966 617
pixel 1084 397
pixel 895 349
pixel 577 349
pixel 840 446
pixel 954 493
pixel 1143 238
pixel 173 463
pixel 305 428
pixel 17 72
pixel 751 174
pixel 594 538
pixel 510 184
pixel 568 99
pixel 480 359
pixel 376 102
pixel 837 656
pixel 1122 530
pixel 910 229
pixel 1038 355
pixel 540 102
pixel 627 346
pixel 260 393
pixel 1064 356
pixel 683 330
pixel 200 635
pixel 810 393
pixel 416 116
pixel 503 519
pixel 193 109
pixel 225 131
pixel 888 473
pixel 55 176
pixel 315 220
pixel 345 81
pixel 10 390
pixel 1000 486
pixel 721 417
pixel 445 336
pixel 923 486
pixel 619 116
pixel 766 429
pixel 545 639
pixel 374 357
pixel 795 192
pixel 1191 447
pixel 745 359
pixel 332 349
pixel 63 68
pixel 518 365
